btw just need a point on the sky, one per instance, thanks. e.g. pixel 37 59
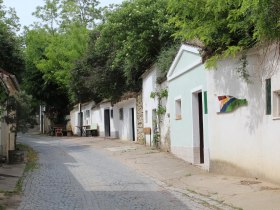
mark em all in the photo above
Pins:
pixel 25 8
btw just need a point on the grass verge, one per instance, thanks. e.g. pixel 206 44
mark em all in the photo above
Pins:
pixel 12 199
pixel 32 157
pixel 31 164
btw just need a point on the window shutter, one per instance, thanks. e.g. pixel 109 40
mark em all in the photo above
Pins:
pixel 205 103
pixel 268 96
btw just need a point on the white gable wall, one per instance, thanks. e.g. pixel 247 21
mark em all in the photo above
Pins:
pixel 74 115
pixel 97 117
pixel 245 141
pixel 87 107
pixel 149 104
pixel 186 82
pixel 74 119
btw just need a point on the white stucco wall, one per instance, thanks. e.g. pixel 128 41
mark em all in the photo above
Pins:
pixel 187 78
pixel 113 126
pixel 125 125
pixel 149 104
pixel 149 85
pixel 74 116
pixel 87 106
pixel 245 141
pixel 73 119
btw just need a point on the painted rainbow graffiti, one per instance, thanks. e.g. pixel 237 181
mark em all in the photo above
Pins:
pixel 230 103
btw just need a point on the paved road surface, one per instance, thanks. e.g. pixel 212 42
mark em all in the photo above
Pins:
pixel 76 176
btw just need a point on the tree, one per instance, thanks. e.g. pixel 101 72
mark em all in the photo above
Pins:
pixel 65 35
pixel 53 47
pixel 124 46
pixel 83 12
pixel 35 83
pixel 61 53
pixel 49 15
pixel 226 27
pixel 11 57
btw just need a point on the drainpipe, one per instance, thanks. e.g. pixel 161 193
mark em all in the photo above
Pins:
pixel 81 119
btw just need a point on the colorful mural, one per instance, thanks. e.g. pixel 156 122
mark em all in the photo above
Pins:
pixel 230 103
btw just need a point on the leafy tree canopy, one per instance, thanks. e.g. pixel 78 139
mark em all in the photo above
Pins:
pixel 123 46
pixel 226 27
pixel 52 48
pixel 11 58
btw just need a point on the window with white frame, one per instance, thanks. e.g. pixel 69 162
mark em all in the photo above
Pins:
pixel 146 116
pixel 178 109
pixel 276 103
pixel 87 117
pixel 87 114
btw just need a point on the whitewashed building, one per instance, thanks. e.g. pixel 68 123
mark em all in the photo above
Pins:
pixel 187 98
pixel 125 117
pixel 246 141
pixel 150 85
pixel 86 110
pixel 104 117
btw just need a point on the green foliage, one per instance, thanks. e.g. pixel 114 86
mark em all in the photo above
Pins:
pixel 84 12
pixel 242 69
pixel 156 138
pixel 24 112
pixel 160 111
pixel 127 42
pixel 53 46
pixel 17 109
pixel 31 164
pixel 11 58
pixel 3 99
pixel 226 27
pixel 48 14
pixel 159 94
pixel 153 95
pixel 32 157
pixel 38 84
pixel 9 17
pixel 166 57
pixel 61 53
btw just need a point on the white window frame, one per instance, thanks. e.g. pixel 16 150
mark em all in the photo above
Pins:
pixel 87 113
pixel 276 104
pixel 146 116
pixel 178 108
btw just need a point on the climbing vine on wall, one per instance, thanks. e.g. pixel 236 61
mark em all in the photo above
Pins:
pixel 160 111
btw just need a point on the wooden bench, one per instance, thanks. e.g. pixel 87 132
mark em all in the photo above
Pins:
pixel 92 130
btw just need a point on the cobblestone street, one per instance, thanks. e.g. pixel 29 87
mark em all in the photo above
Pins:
pixel 76 176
